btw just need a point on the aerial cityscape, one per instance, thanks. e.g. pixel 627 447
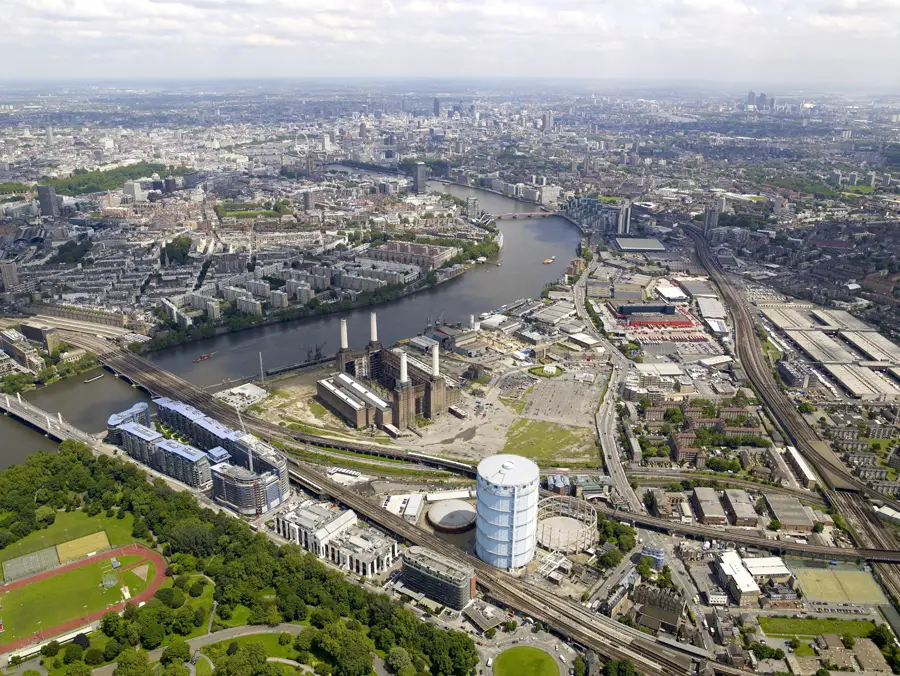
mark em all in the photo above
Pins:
pixel 429 373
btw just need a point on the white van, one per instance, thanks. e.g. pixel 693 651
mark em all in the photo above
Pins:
pixel 490 662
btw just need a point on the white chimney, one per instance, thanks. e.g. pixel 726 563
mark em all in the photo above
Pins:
pixel 471 321
pixel 344 342
pixel 435 361
pixel 404 376
pixel 373 328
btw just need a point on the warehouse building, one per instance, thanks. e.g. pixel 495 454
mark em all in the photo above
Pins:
pixel 801 468
pixel 736 579
pixel 788 510
pixel 444 581
pixel 739 507
pixel 766 568
pixel 707 507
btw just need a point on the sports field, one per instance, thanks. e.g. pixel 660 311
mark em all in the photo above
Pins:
pixel 525 661
pixel 68 597
pixel 839 586
pixel 802 626
pixel 59 598
pixel 77 549
pixel 69 526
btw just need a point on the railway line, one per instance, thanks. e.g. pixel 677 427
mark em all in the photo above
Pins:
pixel 664 477
pixel 844 491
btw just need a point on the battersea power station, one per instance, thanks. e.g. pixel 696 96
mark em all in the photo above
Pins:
pixel 386 387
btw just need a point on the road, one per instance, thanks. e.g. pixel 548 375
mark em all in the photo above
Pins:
pixel 605 418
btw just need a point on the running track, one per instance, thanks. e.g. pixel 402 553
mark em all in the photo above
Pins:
pixel 160 575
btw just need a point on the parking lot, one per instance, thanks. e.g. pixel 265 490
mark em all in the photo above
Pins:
pixel 569 399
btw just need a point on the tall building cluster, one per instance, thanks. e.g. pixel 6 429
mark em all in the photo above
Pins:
pixel 243 471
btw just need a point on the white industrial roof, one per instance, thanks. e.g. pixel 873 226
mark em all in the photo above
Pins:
pixel 800 463
pixel 734 568
pixel 766 566
pixel 584 339
pixel 355 404
pixel 508 470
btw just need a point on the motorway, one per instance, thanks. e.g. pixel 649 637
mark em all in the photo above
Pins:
pixel 605 417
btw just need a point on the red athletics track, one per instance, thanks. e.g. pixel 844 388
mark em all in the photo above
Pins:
pixel 160 575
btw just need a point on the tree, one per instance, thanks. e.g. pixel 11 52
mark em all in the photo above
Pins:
pixel 579 666
pixel 152 634
pixel 284 638
pixel 176 651
pixel 610 559
pixel 490 633
pixel 774 524
pixel 882 637
pixel 398 659
pixel 233 647
pixel 849 641
pixel 72 653
pixel 806 408
pixel 111 650
pixel 77 669
pixel 171 596
pixel 133 663
pixel 111 624
pixel 82 640
pixel 183 622
pixel 94 656
pixel 196 589
pixel 50 649
pixel 645 566
pixel 818 527
pixel 794 643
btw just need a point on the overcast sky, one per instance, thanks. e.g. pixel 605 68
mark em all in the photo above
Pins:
pixel 769 42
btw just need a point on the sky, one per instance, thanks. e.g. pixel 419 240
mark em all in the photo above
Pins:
pixel 769 42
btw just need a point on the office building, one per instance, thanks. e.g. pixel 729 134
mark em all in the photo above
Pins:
pixel 658 554
pixel 17 346
pixel 548 121
pixel 437 107
pixel 710 219
pixel 46 336
pixel 244 491
pixel 333 534
pixel 48 201
pixel 448 583
pixel 420 178
pixel 623 226
pixel 9 273
pixel 312 526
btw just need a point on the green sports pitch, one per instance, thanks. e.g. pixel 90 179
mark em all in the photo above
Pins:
pixel 59 599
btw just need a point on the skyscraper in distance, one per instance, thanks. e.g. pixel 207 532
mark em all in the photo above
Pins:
pixel 48 201
pixel 419 179
pixel 9 273
pixel 437 107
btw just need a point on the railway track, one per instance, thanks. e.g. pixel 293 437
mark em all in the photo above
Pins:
pixel 845 491
pixel 663 477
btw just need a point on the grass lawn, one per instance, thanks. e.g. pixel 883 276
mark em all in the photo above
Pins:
pixel 239 616
pixel 801 626
pixel 525 661
pixel 71 525
pixel 546 442
pixel 803 650
pixel 883 444
pixel 269 641
pixel 58 599
pixel 135 584
pixel 203 668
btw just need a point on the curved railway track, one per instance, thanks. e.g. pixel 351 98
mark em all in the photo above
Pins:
pixel 844 491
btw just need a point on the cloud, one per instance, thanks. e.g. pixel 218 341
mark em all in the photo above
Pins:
pixel 763 41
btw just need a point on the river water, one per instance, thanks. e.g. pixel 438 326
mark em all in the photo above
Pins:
pixel 527 242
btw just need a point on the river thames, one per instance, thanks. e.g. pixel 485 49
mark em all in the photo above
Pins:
pixel 527 242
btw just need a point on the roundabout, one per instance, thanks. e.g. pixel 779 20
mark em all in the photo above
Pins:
pixel 525 661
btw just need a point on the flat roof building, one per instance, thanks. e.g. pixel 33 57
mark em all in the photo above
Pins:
pixel 740 507
pixel 789 512
pixel 709 509
pixel 638 244
pixel 444 581
pixel 185 463
pixel 801 468
pixel 735 577
pixel 767 568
